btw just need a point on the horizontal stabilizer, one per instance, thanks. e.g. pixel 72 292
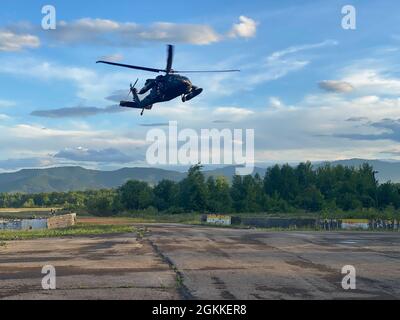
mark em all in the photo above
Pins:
pixel 130 104
pixel 134 105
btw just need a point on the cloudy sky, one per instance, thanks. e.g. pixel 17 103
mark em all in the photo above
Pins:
pixel 310 89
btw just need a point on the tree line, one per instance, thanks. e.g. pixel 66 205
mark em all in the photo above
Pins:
pixel 284 188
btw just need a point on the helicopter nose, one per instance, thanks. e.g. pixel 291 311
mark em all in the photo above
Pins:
pixel 187 84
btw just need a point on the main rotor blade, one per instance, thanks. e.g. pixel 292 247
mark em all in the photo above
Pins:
pixel 132 67
pixel 170 58
pixel 206 71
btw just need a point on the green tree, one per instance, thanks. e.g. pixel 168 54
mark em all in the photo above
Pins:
pixel 102 203
pixel 135 195
pixel 219 198
pixel 166 195
pixel 193 190
pixel 389 195
pixel 247 193
pixel 310 199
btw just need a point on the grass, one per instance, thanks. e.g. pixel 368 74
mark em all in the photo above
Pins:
pixel 78 230
pixel 142 218
pixel 91 225
pixel 98 225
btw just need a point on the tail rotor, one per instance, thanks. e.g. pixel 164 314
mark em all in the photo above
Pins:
pixel 135 97
pixel 132 88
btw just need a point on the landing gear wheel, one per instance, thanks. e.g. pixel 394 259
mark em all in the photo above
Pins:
pixel 183 98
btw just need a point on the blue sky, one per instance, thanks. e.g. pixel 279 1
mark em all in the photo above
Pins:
pixel 310 89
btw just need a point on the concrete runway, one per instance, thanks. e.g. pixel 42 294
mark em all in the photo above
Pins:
pixel 193 262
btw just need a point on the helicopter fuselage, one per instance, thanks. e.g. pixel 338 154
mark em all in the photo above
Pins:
pixel 173 85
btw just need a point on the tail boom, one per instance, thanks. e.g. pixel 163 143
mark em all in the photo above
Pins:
pixel 134 105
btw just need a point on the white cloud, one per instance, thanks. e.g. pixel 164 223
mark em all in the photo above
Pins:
pixel 6 103
pixel 304 130
pixel 230 112
pixel 365 78
pixel 372 81
pixel 109 32
pixel 76 112
pixel 312 132
pixel 171 32
pixel 280 63
pixel 177 110
pixel 294 49
pixel 23 137
pixel 275 102
pixel 10 41
pixel 246 28
pixel 116 57
pixel 276 70
pixel 96 31
pixel 110 155
pixel 307 130
pixel 26 163
pixel 336 86
pixel 92 86
pixel 276 65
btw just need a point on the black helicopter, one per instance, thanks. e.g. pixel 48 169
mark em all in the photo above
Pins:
pixel 163 87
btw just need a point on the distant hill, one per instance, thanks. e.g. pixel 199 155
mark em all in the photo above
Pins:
pixel 78 178
pixel 62 179
pixel 387 170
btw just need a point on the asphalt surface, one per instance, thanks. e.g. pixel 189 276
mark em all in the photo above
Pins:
pixel 187 262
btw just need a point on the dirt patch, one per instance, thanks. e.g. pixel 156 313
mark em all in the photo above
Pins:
pixel 220 285
pixel 105 221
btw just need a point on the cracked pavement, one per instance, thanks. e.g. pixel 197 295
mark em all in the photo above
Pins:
pixel 175 261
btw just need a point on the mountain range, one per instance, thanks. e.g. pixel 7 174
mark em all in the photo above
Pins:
pixel 61 179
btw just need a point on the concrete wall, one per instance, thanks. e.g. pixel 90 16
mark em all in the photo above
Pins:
pixel 359 224
pixel 63 221
pixel 324 224
pixel 385 224
pixel 11 225
pixel 349 224
pixel 33 224
pixel 279 222
pixel 219 219
pixel 56 222
pixel 25 224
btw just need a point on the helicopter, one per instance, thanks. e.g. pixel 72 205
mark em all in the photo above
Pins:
pixel 164 87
